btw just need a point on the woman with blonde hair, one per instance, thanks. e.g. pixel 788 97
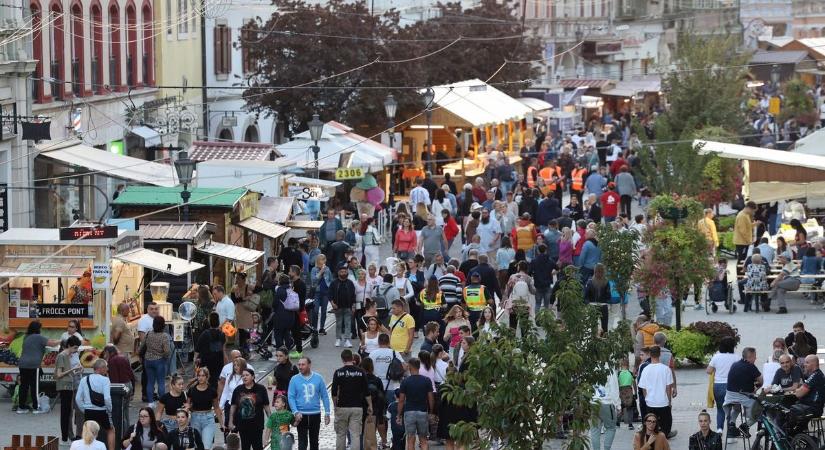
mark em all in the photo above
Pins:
pixel 454 320
pixel 88 440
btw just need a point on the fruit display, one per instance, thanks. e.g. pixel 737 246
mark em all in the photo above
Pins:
pixel 88 358
pixel 16 345
pixel 6 336
pixel 49 359
pixel 98 341
pixel 8 357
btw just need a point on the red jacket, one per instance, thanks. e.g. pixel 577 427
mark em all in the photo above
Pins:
pixel 616 165
pixel 450 229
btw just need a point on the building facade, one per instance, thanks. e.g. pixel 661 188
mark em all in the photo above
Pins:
pixel 227 67
pixel 16 65
pixel 808 18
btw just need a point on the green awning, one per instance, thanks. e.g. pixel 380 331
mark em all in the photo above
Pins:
pixel 163 196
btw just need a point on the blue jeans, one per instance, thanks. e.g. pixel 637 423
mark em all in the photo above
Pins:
pixel 606 418
pixel 170 424
pixel 719 390
pixel 155 374
pixel 543 297
pixel 204 422
pixel 321 304
pixel 343 317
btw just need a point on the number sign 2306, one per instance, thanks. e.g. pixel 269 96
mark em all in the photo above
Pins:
pixel 349 173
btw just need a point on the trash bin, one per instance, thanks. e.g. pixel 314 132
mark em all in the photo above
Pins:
pixel 120 408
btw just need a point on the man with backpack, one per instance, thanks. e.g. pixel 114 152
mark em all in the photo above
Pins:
pixel 389 365
pixel 94 399
pixel 342 298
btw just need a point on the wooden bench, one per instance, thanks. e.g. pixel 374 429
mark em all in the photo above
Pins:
pixel 24 442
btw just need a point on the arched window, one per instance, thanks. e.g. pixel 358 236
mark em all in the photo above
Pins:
pixel 131 46
pixel 57 70
pixel 148 62
pixel 97 47
pixel 225 135
pixel 38 93
pixel 251 134
pixel 78 63
pixel 115 75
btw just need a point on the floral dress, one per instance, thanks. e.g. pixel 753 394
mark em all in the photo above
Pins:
pixel 756 278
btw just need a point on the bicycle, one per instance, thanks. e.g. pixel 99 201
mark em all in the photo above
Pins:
pixel 773 436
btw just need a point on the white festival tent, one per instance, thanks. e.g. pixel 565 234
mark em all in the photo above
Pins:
pixel 336 139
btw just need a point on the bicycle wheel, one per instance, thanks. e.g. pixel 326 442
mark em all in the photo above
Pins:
pixel 761 441
pixel 804 442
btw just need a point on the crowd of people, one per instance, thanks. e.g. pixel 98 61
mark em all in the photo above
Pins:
pixel 461 260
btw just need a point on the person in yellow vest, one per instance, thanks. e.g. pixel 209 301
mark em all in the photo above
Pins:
pixel 523 236
pixel 743 231
pixel 431 301
pixel 577 177
pixel 476 297
pixel 708 227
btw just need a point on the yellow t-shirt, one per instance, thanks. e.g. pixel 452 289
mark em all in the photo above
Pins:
pixel 400 332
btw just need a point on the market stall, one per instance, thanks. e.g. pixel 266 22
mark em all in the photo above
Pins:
pixel 82 273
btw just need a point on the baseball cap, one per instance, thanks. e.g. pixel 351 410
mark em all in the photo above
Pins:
pixel 476 206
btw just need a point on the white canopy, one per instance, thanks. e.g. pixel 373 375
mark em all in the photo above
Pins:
pixel 537 105
pixel 812 144
pixel 336 139
pixel 765 191
pixel 76 154
pixel 479 103
pixel 159 261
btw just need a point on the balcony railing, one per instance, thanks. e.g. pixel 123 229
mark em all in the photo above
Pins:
pixel 77 83
pixel 57 85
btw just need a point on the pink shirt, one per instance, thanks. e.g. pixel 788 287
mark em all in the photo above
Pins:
pixel 405 241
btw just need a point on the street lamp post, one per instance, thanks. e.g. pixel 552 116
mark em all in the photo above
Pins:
pixel 316 128
pixel 390 107
pixel 185 167
pixel 429 96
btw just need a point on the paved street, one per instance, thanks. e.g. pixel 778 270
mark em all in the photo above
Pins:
pixel 757 330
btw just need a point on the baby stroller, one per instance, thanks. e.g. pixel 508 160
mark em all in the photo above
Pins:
pixel 720 290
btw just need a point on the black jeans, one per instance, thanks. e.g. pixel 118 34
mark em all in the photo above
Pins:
pixel 665 418
pixel 28 383
pixel 741 253
pixel 308 430
pixel 624 203
pixel 66 406
pixel 251 439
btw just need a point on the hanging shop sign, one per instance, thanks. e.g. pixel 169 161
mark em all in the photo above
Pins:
pixel 62 310
pixel 101 273
pixel 74 233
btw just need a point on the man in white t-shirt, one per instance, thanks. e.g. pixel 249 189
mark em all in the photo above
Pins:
pixel 381 358
pixel 656 383
pixel 224 305
pixel 226 371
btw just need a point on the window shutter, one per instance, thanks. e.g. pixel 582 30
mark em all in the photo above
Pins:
pixel 218 47
pixel 227 50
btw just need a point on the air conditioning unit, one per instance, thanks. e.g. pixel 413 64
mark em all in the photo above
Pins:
pixel 170 251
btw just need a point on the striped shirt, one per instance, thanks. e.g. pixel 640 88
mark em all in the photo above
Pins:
pixel 450 287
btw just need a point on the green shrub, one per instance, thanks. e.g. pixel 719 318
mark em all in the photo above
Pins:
pixel 715 331
pixel 726 223
pixel 689 345
pixel 726 240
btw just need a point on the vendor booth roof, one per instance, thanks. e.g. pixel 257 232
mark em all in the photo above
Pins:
pixel 812 144
pixel 76 154
pixel 159 261
pixel 249 151
pixel 478 103
pixel 630 88
pixel 336 139
pixel 736 151
pixel 174 231
pixel 275 209
pixel 292 179
pixel 264 227
pixel 43 267
pixel 231 252
pixel 158 196
pixel 537 105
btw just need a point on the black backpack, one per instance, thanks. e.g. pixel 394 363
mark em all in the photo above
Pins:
pixel 395 372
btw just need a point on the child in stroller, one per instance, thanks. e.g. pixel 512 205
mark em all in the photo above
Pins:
pixel 719 290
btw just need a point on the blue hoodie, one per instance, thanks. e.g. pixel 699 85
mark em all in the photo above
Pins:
pixel 306 393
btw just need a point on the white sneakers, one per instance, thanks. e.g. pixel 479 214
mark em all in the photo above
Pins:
pixel 337 342
pixel 347 344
